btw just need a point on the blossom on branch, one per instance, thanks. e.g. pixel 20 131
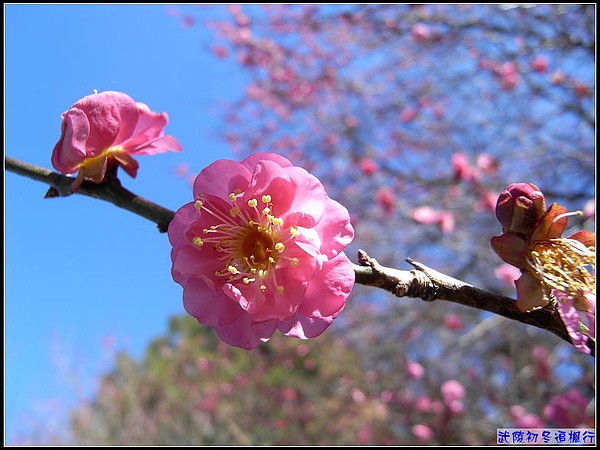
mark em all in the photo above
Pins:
pixel 554 270
pixel 260 249
pixel 105 130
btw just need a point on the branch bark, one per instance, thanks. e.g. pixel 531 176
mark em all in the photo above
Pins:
pixel 428 284
pixel 421 282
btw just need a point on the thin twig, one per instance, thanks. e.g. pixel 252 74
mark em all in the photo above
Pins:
pixel 110 190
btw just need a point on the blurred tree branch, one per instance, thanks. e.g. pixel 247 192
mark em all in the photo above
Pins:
pixel 421 282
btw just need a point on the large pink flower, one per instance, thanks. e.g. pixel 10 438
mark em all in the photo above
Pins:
pixel 260 249
pixel 108 127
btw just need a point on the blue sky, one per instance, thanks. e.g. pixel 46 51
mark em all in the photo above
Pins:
pixel 80 272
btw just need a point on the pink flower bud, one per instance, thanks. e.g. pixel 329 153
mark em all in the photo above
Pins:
pixel 368 166
pixel 420 32
pixel 520 207
pixel 539 64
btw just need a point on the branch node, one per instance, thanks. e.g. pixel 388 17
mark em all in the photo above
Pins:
pixel 422 286
pixel 52 193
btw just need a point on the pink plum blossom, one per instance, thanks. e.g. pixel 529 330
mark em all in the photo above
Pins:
pixel 453 322
pixel 453 392
pixel 523 419
pixel 415 370
pixel 408 114
pixel 509 75
pixel 368 166
pixel 532 241
pixel 581 89
pixel 420 32
pixel 422 432
pixel 567 410
pixel 260 249
pixel 507 274
pixel 428 216
pixel 386 198
pixel 487 163
pixel 463 171
pixel 108 128
pixel 539 64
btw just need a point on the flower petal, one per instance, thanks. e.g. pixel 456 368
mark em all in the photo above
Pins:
pixel 587 238
pixel 548 227
pixel 530 295
pixel 251 161
pixel 335 229
pixel 209 306
pixel 302 327
pixel 511 248
pixel 329 289
pixel 245 333
pixel 179 224
pixel 70 149
pixel 105 122
pixel 222 178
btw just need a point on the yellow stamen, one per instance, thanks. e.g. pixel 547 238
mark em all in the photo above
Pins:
pixel 247 239
pixel 565 265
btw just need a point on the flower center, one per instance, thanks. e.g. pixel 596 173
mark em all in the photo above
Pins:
pixel 566 265
pixel 248 239
pixel 257 247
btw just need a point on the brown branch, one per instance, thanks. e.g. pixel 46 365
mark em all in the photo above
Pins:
pixel 110 190
pixel 422 282
pixel 429 285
